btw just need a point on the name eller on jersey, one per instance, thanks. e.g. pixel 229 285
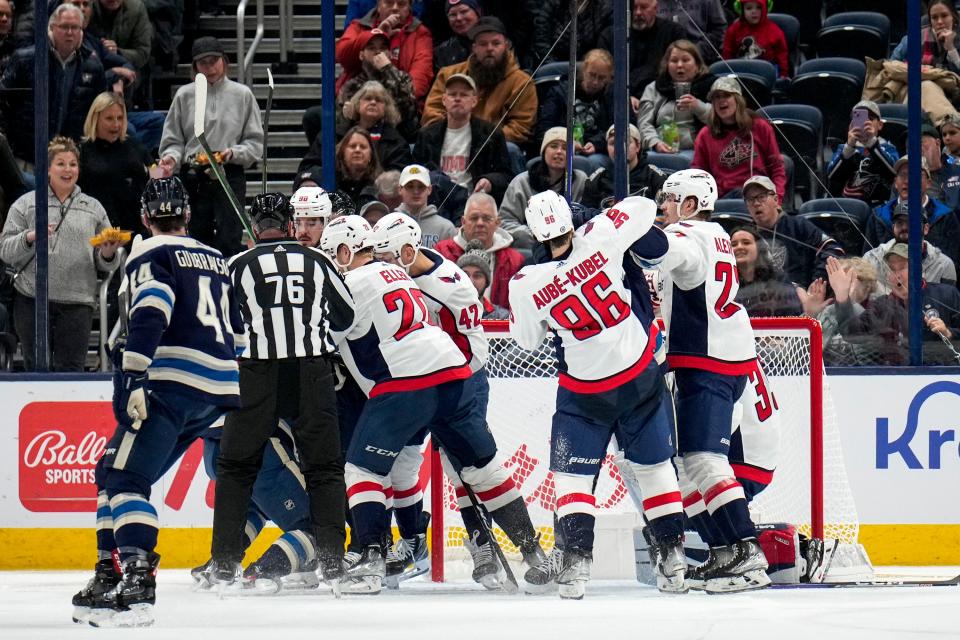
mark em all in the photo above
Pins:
pixel 394 275
pixel 205 261
pixel 575 276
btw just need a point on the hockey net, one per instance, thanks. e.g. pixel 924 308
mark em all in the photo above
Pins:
pixel 809 489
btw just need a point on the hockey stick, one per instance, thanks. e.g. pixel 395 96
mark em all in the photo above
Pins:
pixel 949 582
pixel 199 111
pixel 266 130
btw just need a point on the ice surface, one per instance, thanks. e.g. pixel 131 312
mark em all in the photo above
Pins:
pixel 37 605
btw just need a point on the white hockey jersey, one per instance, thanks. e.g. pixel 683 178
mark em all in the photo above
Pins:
pixel 394 345
pixel 454 300
pixel 706 329
pixel 581 298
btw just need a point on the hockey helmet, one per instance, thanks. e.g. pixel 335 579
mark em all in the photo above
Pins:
pixel 352 231
pixel 394 231
pixel 343 204
pixel 164 198
pixel 311 202
pixel 690 183
pixel 548 216
pixel 271 211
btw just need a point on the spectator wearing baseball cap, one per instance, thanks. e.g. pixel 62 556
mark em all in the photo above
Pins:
pixel 944 230
pixel 233 128
pixel 736 144
pixel 643 178
pixel 862 168
pixel 415 189
pixel 884 323
pixel 503 89
pixel 937 267
pixel 547 173
pixel 410 44
pixel 795 244
pixel 468 151
pixel 462 15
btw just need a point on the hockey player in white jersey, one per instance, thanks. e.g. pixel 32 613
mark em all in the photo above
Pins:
pixel 711 351
pixel 312 209
pixel 453 300
pixel 609 383
pixel 412 373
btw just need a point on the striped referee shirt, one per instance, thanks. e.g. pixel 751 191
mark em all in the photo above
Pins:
pixel 294 302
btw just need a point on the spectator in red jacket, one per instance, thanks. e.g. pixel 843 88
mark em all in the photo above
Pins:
pixel 736 144
pixel 411 45
pixel 481 223
pixel 755 36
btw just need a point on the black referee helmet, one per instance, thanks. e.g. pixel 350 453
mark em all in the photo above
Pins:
pixel 271 211
pixel 164 198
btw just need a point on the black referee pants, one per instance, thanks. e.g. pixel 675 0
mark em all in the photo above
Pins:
pixel 301 388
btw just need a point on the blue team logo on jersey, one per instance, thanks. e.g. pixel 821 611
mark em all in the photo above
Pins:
pixel 903 445
pixel 455 278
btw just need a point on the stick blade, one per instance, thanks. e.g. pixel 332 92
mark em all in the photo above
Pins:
pixel 199 104
pixel 269 77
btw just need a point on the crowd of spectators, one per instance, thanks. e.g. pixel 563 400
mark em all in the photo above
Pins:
pixel 444 112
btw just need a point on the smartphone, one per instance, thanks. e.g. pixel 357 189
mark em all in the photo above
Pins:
pixel 860 117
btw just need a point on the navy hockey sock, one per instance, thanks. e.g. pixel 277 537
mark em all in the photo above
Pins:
pixel 106 542
pixel 408 518
pixel 135 524
pixel 728 509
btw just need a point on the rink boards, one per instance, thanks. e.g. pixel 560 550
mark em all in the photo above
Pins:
pixel 900 438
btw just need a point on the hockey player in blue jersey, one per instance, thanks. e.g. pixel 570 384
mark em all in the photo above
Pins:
pixel 579 296
pixel 179 373
pixel 710 349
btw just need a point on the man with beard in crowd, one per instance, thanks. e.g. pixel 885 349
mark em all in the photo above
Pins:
pixel 499 79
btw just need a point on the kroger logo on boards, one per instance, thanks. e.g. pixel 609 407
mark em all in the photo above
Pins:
pixel 933 439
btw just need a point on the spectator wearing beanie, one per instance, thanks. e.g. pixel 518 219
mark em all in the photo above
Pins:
pixel 753 36
pixel 481 224
pixel 475 264
pixel 643 179
pixel 462 15
pixel 547 174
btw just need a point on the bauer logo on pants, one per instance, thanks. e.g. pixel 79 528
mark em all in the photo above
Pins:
pixel 60 443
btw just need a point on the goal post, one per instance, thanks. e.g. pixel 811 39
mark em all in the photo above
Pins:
pixel 809 488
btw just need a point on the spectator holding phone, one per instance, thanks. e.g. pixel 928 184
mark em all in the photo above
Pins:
pixel 862 168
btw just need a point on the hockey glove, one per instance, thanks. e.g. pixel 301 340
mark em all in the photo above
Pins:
pixel 133 398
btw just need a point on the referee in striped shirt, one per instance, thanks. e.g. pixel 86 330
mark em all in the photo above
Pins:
pixel 296 308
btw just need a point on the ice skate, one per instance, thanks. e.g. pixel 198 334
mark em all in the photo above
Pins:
pixel 716 558
pixel 486 566
pixel 574 574
pixel 408 558
pixel 133 597
pixel 363 572
pixel 105 578
pixel 746 570
pixel 670 565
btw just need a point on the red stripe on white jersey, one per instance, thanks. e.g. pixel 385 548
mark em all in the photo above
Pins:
pixel 710 364
pixel 435 379
pixel 661 505
pixel 576 503
pixel 754 474
pixel 723 492
pixel 611 382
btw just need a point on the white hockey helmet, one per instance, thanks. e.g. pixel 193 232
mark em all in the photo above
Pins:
pixel 311 202
pixel 548 216
pixel 352 231
pixel 394 231
pixel 690 183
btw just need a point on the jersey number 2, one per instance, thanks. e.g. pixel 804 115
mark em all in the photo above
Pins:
pixel 571 313
pixel 409 303
pixel 726 274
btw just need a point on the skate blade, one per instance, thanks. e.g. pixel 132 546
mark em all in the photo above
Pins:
pixel 749 581
pixel 299 581
pixel 361 585
pixel 335 587
pixel 572 590
pixel 672 585
pixel 493 581
pixel 81 614
pixel 137 615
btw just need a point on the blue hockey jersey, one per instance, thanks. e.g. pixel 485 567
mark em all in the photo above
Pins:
pixel 184 324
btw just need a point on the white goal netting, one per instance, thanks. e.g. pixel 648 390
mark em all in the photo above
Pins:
pixel 522 393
